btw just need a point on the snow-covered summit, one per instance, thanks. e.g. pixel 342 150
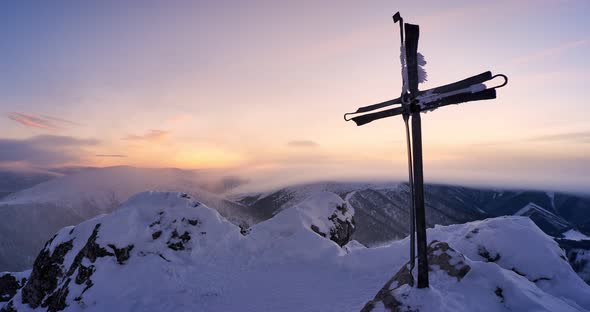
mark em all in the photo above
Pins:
pixel 164 251
pixel 108 256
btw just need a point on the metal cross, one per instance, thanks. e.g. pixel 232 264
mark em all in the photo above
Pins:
pixel 412 103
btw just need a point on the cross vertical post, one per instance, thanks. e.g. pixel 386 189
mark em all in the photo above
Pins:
pixel 420 212
pixel 411 45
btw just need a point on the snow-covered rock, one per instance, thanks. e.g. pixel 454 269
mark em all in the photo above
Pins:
pixel 168 252
pixel 458 283
pixel 501 264
pixel 325 213
pixel 310 231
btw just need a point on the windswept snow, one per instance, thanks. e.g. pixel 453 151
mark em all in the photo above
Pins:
pixel 168 252
pixel 575 235
pixel 533 207
pixel 105 187
pixel 541 215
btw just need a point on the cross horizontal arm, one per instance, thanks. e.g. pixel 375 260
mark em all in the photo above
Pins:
pixel 462 84
pixel 373 107
pixel 487 94
pixel 367 118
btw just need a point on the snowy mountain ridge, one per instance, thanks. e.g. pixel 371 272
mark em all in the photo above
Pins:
pixel 164 251
pixel 382 208
pixel 31 215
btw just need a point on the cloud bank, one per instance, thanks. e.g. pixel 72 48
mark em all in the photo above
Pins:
pixel 44 150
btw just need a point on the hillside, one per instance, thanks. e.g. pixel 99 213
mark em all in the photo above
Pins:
pixel 14 180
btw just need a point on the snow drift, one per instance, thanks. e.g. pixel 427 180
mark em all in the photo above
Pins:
pixel 168 252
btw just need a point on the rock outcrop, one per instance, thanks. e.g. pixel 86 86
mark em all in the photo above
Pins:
pixel 10 283
pixel 441 258
pixel 341 228
pixel 578 255
pixel 328 216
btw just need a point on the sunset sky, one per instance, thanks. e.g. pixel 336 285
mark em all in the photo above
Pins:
pixel 261 87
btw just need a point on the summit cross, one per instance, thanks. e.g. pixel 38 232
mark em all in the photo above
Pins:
pixel 412 102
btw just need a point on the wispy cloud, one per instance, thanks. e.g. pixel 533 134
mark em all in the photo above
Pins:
pixel 44 149
pixel 151 135
pixel 40 121
pixel 303 143
pixel 111 155
pixel 579 137
pixel 542 54
pixel 60 120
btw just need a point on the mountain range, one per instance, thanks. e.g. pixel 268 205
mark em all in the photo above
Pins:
pixel 31 215
pixel 382 212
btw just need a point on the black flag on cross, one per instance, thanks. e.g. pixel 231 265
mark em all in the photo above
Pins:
pixel 412 103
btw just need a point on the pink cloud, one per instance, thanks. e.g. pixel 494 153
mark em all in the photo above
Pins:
pixel 33 121
pixel 41 121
